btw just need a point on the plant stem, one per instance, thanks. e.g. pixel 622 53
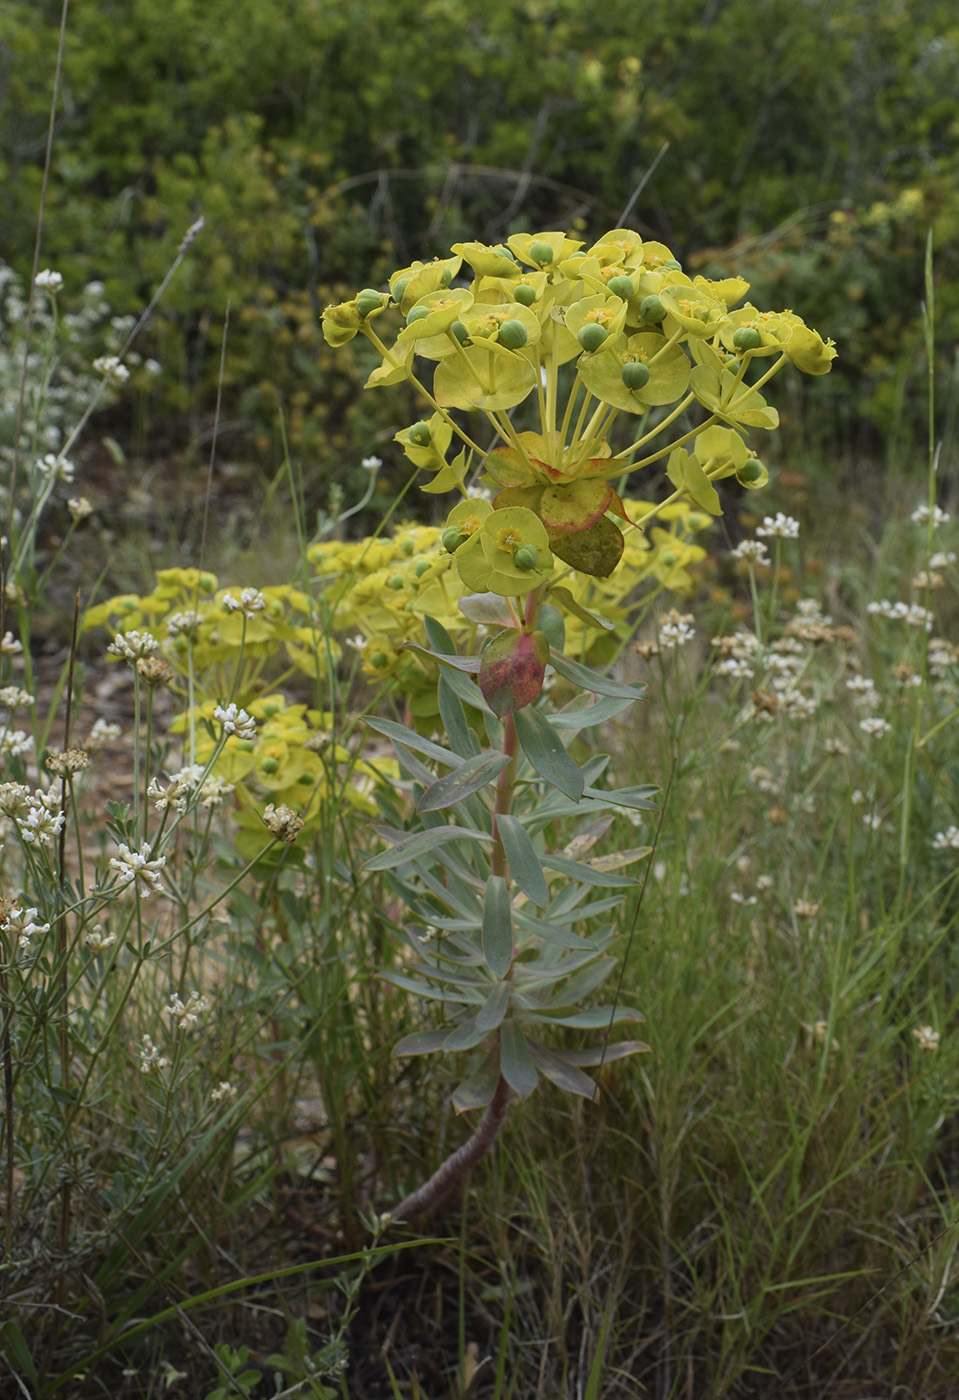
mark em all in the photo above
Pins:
pixel 428 1198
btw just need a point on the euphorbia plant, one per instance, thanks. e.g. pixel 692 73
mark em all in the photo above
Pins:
pixel 506 932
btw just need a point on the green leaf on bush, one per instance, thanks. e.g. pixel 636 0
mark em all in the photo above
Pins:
pixel 494 1008
pixel 524 864
pixel 473 774
pixel 544 749
pixel 419 843
pixel 497 926
pixel 512 669
pixel 516 1063
pixel 584 678
pixel 420 1043
pixel 477 1091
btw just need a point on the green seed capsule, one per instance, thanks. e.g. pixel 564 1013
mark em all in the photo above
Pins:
pixel 416 313
pixel 751 470
pixel 271 708
pixel 652 309
pixel 379 659
pixel 399 288
pixel 446 277
pixel 421 567
pixel 635 375
pixel 669 559
pixel 270 765
pixel 420 434
pixel 407 547
pixel 732 364
pixel 526 557
pixel 620 286
pixel 524 294
pixel 395 581
pixel 207 583
pixel 747 338
pixel 460 331
pixel 541 253
pixel 592 336
pixel 513 335
pixel 673 265
pixel 452 539
pixel 369 300
pixel 502 251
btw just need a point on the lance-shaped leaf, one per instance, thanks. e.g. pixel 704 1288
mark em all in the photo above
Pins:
pixel 497 934
pixel 495 1007
pixel 524 863
pixel 562 1074
pixel 420 842
pixel 586 679
pixel 595 551
pixel 516 1063
pixel 468 778
pixel 420 1043
pixel 477 1091
pixel 544 749
pixel 512 670
pixel 490 609
pixel 563 595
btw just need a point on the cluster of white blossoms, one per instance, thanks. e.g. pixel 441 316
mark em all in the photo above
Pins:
pixel 778 526
pixel 98 941
pixel 675 630
pixel 103 732
pixel 130 646
pixel 187 1013
pixel 22 925
pixel 54 468
pixel 754 552
pixel 224 1090
pixel 112 369
pixel 235 721
pixel 864 691
pixel 48 280
pixel 186 781
pixel 151 1061
pixel 926 1038
pixel 36 813
pixel 910 613
pixel 874 727
pixel 738 652
pixel 15 743
pixel 923 514
pixel 250 602
pixel 183 624
pixel 947 840
pixel 136 868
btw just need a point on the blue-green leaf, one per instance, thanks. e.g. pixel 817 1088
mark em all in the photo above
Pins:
pixel 497 1004
pixel 458 731
pixel 464 1036
pixel 564 1075
pixel 544 749
pixel 497 926
pixel 420 1043
pixel 473 774
pixel 411 740
pixel 421 842
pixel 583 716
pixel 516 1063
pixel 638 798
pixel 586 679
pixel 524 865
pixel 579 870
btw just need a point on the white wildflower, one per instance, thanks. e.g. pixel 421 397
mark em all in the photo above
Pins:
pixel 98 941
pixel 187 1014
pixel 54 468
pixel 14 698
pixel 874 727
pixel 151 1061
pixel 836 748
pixel 675 630
pixel 926 1038
pixel 9 646
pixel 132 645
pixel 357 643
pixel 282 822
pixel 779 526
pixel 48 280
pixel 135 867
pixel 863 690
pixel 795 705
pixel 16 743
pixel 235 721
pixel 733 667
pixel 224 1090
pixel 103 732
pixel 942 559
pixel 371 464
pixel 805 909
pixel 765 884
pixel 111 368
pixel 922 515
pixel 213 791
pixel 753 551
pixel 22 925
pixel 250 602
pixel 183 624
pixel 746 901
pixel 947 840
pixel 39 825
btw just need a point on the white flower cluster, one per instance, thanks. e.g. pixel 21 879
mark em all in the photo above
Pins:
pixel 676 630
pixel 224 1090
pixel 926 1038
pixel 947 840
pixel 48 281
pixel 922 515
pixel 910 613
pixel 103 732
pixel 15 743
pixel 136 868
pixel 250 602
pixel 864 691
pixel 130 646
pixel 187 1014
pixel 874 727
pixel 151 1061
pixel 235 721
pixel 942 559
pixel 98 941
pixel 778 526
pixel 371 464
pixel 753 551
pixel 22 924
pixel 13 698
pixel 9 646
pixel 54 468
pixel 37 814
pixel 111 369
pixel 183 624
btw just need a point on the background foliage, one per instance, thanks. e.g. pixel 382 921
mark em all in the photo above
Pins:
pixel 809 145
